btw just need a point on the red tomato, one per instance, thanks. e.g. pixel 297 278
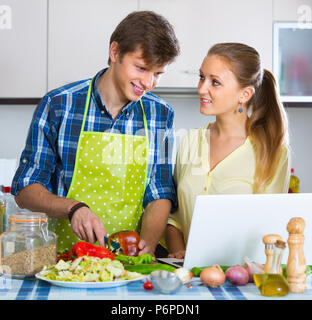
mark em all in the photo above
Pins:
pixel 148 285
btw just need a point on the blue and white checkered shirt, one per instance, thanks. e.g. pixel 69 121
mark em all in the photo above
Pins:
pixel 50 151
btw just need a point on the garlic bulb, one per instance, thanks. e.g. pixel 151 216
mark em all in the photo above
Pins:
pixel 183 274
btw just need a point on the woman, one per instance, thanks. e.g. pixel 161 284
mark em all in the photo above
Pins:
pixel 244 151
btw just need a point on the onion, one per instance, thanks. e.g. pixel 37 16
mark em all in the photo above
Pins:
pixel 237 275
pixel 212 276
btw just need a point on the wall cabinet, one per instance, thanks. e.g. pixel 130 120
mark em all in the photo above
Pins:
pixel 79 33
pixel 54 42
pixel 200 24
pixel 23 48
pixel 292 60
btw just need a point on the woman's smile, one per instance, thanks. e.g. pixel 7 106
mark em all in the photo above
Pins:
pixel 205 101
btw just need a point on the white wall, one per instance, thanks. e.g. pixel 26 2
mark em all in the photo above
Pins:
pixel 15 120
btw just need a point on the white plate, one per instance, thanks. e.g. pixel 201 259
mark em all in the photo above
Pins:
pixel 90 285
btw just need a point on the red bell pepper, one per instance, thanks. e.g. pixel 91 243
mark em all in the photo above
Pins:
pixel 128 241
pixel 87 249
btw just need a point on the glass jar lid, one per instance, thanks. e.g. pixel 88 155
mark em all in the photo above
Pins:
pixel 29 217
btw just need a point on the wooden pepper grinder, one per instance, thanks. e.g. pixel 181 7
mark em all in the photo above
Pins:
pixel 296 264
pixel 269 240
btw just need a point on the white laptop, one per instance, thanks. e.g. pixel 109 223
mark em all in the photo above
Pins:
pixel 227 228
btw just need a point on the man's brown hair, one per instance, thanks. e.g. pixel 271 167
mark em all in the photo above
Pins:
pixel 150 32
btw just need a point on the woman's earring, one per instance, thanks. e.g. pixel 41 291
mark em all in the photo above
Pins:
pixel 240 109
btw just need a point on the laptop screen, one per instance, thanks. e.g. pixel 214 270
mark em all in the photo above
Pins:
pixel 227 228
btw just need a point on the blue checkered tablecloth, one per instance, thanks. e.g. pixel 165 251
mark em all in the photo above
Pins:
pixel 33 289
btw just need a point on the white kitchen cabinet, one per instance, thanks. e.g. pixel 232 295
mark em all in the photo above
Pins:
pixel 200 24
pixel 79 33
pixel 23 48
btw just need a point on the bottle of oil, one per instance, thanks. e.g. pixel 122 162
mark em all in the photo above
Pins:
pixel 293 182
pixel 274 284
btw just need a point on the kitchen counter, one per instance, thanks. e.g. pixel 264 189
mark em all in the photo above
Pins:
pixel 33 289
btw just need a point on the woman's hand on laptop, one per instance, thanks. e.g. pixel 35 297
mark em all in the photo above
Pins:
pixel 178 255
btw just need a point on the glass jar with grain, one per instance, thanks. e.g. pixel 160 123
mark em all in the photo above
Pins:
pixel 28 245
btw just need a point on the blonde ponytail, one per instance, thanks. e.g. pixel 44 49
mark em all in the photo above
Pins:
pixel 268 129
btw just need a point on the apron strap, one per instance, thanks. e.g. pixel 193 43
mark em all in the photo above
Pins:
pixel 145 123
pixel 86 107
pixel 147 142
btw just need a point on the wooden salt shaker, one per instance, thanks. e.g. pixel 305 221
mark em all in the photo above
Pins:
pixel 296 264
pixel 269 241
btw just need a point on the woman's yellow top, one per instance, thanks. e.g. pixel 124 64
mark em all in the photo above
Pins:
pixel 233 175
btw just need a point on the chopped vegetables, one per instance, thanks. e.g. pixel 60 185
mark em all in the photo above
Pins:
pixel 86 268
pixel 66 256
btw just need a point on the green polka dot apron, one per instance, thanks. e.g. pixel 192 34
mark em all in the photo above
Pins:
pixel 110 176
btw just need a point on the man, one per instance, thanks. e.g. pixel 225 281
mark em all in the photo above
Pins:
pixel 98 151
